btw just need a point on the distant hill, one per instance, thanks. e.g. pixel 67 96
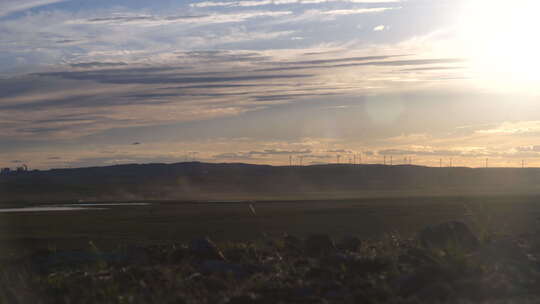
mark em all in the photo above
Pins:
pixel 208 181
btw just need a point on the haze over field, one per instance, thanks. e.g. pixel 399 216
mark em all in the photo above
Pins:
pixel 87 83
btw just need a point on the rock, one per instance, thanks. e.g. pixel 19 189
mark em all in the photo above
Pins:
pixel 437 292
pixel 138 255
pixel 177 255
pixel 502 250
pixel 205 249
pixel 335 294
pixel 350 243
pixel 244 299
pixel 217 266
pixel 369 265
pixel 448 235
pixel 316 273
pixel 416 257
pixel 410 284
pixel 318 244
pixel 475 289
pixel 292 243
pixel 213 283
pixel 338 258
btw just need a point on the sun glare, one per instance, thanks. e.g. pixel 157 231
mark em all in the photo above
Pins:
pixel 501 41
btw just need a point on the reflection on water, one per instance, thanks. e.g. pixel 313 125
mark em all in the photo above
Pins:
pixel 108 204
pixel 45 209
pixel 70 207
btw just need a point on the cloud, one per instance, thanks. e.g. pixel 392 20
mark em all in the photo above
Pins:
pixel 91 96
pixel 151 20
pixel 231 3
pixel 339 151
pixel 435 68
pixel 279 152
pixel 8 7
pixel 257 154
pixel 249 3
pixel 129 77
pixel 353 11
pixel 95 64
pixel 423 152
pixel 397 63
pixel 413 138
pixel 289 96
pixel 318 156
pixel 513 128
pixel 235 156
pixel 221 56
pixel 335 60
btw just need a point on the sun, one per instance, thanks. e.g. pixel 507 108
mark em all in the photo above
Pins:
pixel 500 39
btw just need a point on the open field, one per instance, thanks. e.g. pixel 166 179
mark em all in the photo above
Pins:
pixel 171 263
pixel 233 221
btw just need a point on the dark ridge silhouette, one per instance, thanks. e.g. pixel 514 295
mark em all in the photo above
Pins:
pixel 195 180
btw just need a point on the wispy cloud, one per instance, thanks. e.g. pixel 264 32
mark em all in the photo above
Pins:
pixel 354 11
pixel 513 128
pixel 281 2
pixel 150 20
pixel 8 7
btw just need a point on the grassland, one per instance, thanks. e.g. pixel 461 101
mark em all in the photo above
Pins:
pixel 229 221
pixel 138 254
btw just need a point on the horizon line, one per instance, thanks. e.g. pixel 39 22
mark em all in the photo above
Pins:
pixel 269 165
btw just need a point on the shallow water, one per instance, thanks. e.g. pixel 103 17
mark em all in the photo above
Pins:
pixel 107 204
pixel 70 207
pixel 46 209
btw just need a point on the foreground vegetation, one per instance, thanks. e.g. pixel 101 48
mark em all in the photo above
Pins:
pixel 443 264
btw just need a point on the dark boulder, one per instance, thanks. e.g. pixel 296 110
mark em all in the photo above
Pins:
pixel 452 234
pixel 177 255
pixel 205 249
pixel 318 244
pixel 221 267
pixel 245 299
pixel 350 243
pixel 292 243
pixel 502 250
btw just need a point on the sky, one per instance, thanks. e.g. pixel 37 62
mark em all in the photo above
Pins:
pixel 104 82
